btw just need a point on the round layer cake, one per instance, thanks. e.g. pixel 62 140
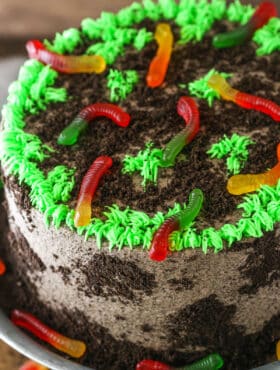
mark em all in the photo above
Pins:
pixel 218 289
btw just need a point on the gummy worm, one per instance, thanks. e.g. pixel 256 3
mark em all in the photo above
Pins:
pixel 188 109
pixel 65 63
pixel 2 267
pixel 219 84
pixel 278 350
pixel 210 362
pixel 73 348
pixel 159 64
pixel 31 365
pixel 263 13
pixel 182 219
pixel 88 188
pixel 240 184
pixel 71 133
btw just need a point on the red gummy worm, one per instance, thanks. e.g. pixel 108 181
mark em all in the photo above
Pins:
pixel 2 267
pixel 27 321
pixel 182 219
pixel 244 100
pixel 263 13
pixel 266 106
pixel 187 108
pixel 71 133
pixel 88 188
pixel 152 365
pixel 31 365
pixel 278 152
pixel 111 111
pixel 160 242
pixel 65 63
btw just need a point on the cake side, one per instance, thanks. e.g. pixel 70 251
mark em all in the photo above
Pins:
pixel 157 308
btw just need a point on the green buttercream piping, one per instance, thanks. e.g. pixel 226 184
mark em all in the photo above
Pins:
pixel 131 14
pixel 169 8
pixel 236 150
pixel 146 162
pixel 65 42
pixel 91 28
pixel 115 40
pixel 268 37
pixel 121 83
pixel 142 38
pixel 218 8
pixel 126 227
pixel 62 182
pixel 41 93
pixel 261 212
pixel 200 88
pixel 153 10
pixel 197 17
pixel 109 50
pixel 122 36
pixel 20 152
pixel 237 12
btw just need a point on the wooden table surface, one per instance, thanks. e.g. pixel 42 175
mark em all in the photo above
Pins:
pixel 21 20
pixel 9 359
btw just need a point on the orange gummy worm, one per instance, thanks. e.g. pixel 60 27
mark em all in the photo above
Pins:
pixel 72 347
pixel 159 64
pixel 65 63
pixel 240 184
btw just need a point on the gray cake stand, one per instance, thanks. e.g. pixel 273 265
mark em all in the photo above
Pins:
pixel 22 343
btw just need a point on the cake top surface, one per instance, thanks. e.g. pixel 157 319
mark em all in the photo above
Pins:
pixel 139 193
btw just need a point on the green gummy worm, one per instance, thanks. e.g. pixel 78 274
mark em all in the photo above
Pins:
pixel 174 147
pixel 186 216
pixel 210 362
pixel 233 38
pixel 71 133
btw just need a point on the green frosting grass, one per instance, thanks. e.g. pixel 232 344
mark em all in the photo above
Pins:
pixel 268 37
pixel 237 12
pixel 197 17
pixel 65 42
pixel 146 162
pixel 236 150
pixel 202 90
pixel 142 38
pixel 32 92
pixel 21 152
pixel 121 83
pixel 126 227
pixel 116 39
